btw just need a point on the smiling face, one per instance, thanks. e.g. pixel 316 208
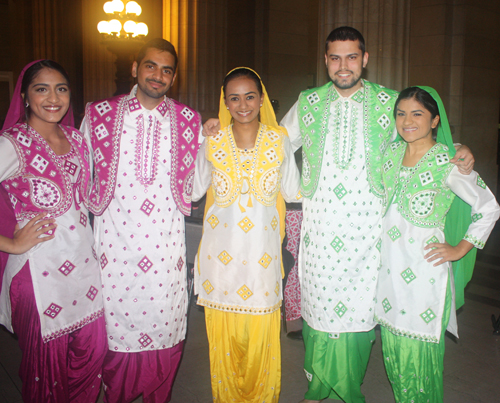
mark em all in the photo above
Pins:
pixel 48 97
pixel 155 75
pixel 345 62
pixel 414 122
pixel 243 100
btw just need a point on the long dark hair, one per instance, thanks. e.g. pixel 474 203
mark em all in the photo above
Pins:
pixel 32 73
pixel 423 98
pixel 242 72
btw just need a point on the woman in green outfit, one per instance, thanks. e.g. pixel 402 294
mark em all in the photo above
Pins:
pixel 415 301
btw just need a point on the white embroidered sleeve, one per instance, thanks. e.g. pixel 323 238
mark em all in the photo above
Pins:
pixel 290 175
pixel 84 129
pixel 291 123
pixel 9 163
pixel 202 174
pixel 200 135
pixel 485 210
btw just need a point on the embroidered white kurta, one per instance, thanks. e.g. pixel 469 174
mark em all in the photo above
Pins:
pixel 339 253
pixel 65 274
pixel 140 241
pixel 238 267
pixel 411 291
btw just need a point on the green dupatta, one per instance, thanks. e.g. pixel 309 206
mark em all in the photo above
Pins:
pixel 458 218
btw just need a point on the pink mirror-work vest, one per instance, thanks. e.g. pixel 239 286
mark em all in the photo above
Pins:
pixel 41 184
pixel 105 120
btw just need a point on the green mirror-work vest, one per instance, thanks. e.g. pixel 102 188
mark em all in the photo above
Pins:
pixel 378 125
pixel 422 196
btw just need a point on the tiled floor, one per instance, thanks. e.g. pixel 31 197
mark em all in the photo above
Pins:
pixel 472 363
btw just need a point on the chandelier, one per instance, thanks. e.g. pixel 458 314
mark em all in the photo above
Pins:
pixel 123 22
pixel 123 36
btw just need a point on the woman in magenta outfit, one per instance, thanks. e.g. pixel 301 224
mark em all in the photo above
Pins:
pixel 50 281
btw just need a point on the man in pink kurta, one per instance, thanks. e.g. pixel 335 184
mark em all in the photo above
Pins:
pixel 144 146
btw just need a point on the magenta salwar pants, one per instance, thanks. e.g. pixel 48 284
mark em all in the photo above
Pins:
pixel 66 369
pixel 151 373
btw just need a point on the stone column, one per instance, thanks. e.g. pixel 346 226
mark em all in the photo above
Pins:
pixel 56 34
pixel 98 62
pixel 197 30
pixel 286 48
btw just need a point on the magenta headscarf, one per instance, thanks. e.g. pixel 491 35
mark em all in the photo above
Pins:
pixel 15 115
pixel 16 108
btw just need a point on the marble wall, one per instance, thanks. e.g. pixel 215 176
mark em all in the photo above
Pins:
pixel 290 48
pixel 197 29
pixel 385 25
pixel 455 48
pixel 41 29
pixel 277 39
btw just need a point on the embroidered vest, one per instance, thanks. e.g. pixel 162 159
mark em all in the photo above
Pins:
pixel 42 184
pixel 105 120
pixel 265 177
pixel 422 197
pixel 378 123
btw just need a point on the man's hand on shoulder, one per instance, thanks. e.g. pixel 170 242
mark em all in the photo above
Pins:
pixel 463 159
pixel 211 127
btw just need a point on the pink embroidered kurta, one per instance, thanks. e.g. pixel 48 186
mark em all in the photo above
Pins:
pixel 140 240
pixel 65 274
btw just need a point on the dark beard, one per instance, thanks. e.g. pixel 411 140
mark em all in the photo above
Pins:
pixel 346 85
pixel 154 94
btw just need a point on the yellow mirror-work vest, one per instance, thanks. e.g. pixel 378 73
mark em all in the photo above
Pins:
pixel 264 179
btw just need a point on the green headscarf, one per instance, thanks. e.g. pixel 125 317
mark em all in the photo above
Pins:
pixel 443 128
pixel 458 218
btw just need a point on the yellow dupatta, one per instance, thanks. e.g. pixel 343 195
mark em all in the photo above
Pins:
pixel 267 117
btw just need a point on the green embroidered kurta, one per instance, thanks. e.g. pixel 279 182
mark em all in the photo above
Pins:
pixel 343 142
pixel 411 291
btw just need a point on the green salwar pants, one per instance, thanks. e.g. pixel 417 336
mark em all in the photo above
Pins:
pixel 335 367
pixel 414 367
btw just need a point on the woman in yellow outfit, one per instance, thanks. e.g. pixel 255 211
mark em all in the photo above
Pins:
pixel 249 165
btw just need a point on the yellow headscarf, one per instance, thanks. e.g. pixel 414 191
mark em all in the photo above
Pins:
pixel 267 117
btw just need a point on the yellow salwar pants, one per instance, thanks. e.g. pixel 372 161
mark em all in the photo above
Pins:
pixel 245 356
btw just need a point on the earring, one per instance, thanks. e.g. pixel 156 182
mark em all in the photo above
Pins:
pixel 27 104
pixel 227 107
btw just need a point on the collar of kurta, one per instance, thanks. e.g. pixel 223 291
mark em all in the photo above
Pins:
pixel 135 108
pixel 357 96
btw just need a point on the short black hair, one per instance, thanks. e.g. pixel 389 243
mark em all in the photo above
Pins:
pixel 242 72
pixel 423 98
pixel 162 45
pixel 346 34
